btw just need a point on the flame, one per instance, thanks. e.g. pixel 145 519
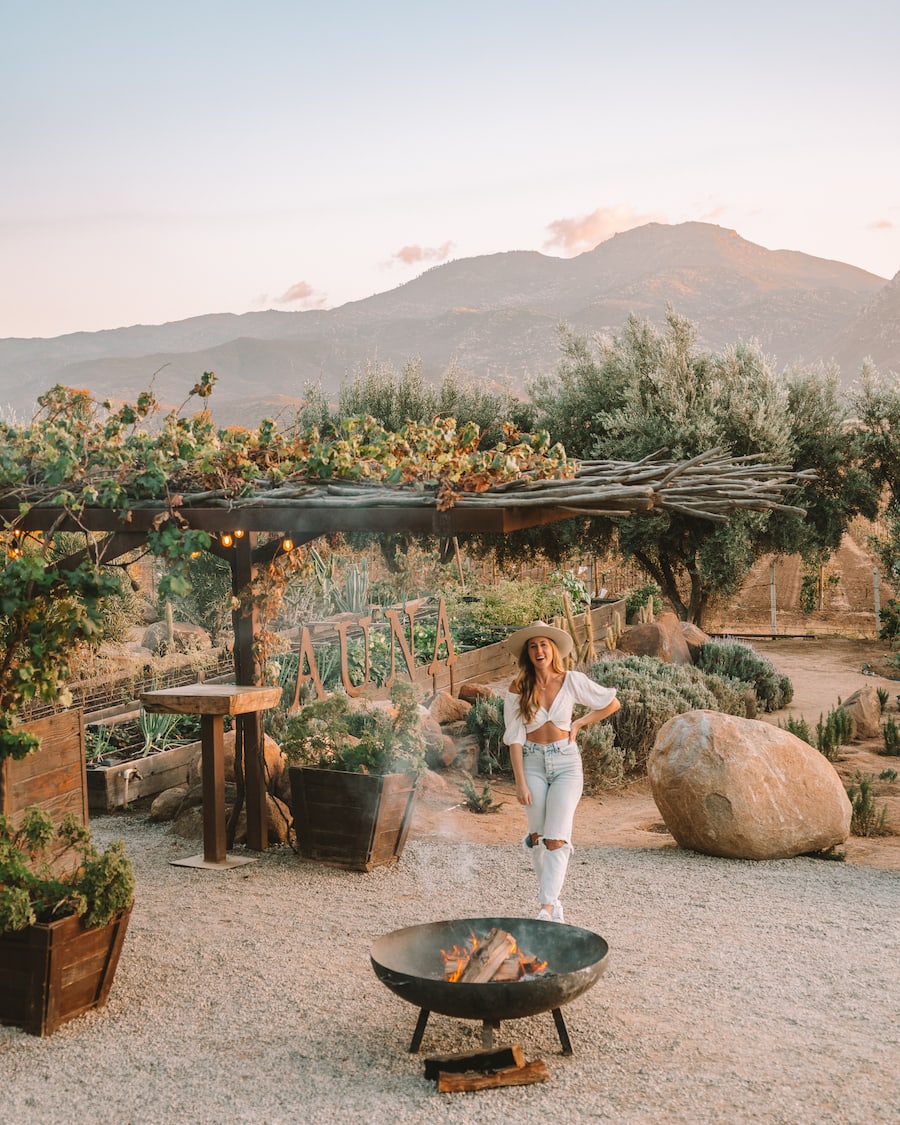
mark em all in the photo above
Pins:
pixel 529 965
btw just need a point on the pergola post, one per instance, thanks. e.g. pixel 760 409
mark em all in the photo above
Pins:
pixel 247 672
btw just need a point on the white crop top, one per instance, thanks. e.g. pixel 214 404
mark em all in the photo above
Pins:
pixel 576 688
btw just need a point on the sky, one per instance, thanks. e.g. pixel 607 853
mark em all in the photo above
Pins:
pixel 165 160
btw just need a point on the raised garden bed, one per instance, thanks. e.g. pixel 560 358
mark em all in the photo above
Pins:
pixel 112 783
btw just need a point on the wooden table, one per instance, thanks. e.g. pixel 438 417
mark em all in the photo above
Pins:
pixel 212 702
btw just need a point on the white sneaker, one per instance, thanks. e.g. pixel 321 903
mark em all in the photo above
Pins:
pixel 558 915
pixel 544 915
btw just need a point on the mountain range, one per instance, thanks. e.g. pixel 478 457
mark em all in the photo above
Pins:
pixel 493 318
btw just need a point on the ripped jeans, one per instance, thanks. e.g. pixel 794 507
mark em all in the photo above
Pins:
pixel 554 774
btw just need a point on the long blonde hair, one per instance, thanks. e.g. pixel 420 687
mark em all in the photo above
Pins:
pixel 525 683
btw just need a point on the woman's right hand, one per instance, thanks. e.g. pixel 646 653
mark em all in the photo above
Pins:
pixel 523 793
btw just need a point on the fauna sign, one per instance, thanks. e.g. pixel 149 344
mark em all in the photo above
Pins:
pixel 308 672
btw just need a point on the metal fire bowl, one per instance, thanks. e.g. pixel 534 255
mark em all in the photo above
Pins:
pixel 409 962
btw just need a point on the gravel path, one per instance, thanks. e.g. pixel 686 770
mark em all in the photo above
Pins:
pixel 736 992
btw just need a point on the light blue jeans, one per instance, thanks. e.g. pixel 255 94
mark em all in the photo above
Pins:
pixel 555 776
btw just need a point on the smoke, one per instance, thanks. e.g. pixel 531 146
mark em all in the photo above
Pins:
pixel 574 236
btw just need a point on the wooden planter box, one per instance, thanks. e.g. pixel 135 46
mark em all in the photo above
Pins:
pixel 53 776
pixel 114 786
pixel 353 820
pixel 51 973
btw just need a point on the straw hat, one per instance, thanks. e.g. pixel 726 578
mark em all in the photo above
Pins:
pixel 517 641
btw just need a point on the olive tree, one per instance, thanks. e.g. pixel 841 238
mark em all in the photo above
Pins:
pixel 648 391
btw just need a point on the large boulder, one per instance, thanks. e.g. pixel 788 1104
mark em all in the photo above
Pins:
pixel 745 789
pixel 662 639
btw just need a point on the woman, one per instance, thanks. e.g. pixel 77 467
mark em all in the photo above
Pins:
pixel 545 758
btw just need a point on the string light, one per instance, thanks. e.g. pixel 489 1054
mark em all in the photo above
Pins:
pixel 287 544
pixel 239 533
pixel 226 540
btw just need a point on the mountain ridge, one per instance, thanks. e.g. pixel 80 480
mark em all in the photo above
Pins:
pixel 493 317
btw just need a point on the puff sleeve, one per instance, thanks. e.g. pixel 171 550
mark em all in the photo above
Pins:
pixel 589 693
pixel 512 717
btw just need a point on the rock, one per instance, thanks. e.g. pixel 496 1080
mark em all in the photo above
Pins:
pixel 274 759
pixel 432 782
pixel 446 708
pixel 189 823
pixel 168 804
pixel 472 692
pixel 279 822
pixel 467 753
pixel 864 709
pixel 662 639
pixel 694 638
pixel 442 755
pixel 745 789
pixel 185 637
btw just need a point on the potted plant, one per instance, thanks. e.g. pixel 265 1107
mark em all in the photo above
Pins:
pixel 353 775
pixel 64 909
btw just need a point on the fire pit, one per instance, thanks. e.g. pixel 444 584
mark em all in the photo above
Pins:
pixel 409 962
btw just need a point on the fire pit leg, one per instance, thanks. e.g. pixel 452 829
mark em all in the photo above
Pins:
pixel 562 1032
pixel 488 1027
pixel 420 1031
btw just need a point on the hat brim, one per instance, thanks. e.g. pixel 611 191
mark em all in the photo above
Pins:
pixel 517 641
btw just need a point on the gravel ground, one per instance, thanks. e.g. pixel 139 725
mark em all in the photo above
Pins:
pixel 735 992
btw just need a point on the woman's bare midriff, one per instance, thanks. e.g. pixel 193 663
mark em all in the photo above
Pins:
pixel 549 732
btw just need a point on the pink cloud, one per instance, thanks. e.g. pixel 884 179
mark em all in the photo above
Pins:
pixel 410 255
pixel 881 224
pixel 574 236
pixel 301 292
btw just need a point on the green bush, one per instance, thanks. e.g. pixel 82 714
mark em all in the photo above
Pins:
pixel 798 727
pixel 833 731
pixel 485 720
pixel 605 764
pixel 651 692
pixel 733 660
pixel 891 738
pixel 504 607
pixel 866 819
pixel 640 597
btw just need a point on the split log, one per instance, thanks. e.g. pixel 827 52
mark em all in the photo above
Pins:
pixel 488 957
pixel 536 1071
pixel 500 1058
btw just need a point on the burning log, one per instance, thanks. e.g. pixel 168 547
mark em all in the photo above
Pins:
pixel 494 958
pixel 487 957
pixel 536 1071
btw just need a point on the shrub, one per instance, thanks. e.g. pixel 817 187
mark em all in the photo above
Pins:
pixel 798 727
pixel 649 593
pixel 866 820
pixel 605 764
pixel 650 693
pixel 736 661
pixel 833 731
pixel 891 738
pixel 485 720
pixel 504 607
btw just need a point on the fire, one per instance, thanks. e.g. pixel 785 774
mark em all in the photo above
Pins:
pixel 515 965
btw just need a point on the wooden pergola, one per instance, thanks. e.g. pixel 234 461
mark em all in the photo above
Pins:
pixel 709 487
